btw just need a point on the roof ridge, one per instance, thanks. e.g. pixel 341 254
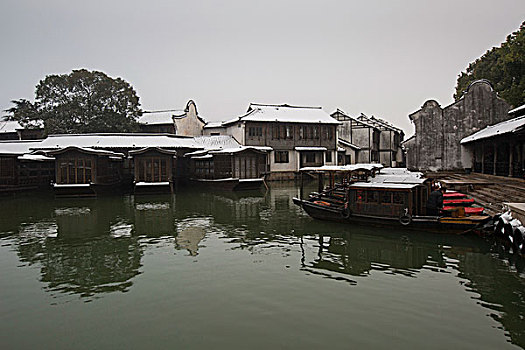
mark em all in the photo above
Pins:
pixel 283 105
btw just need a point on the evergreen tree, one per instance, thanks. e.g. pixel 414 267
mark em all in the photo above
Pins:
pixel 80 102
pixel 503 66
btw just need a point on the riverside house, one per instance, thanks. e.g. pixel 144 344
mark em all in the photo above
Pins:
pixel 92 164
pixel 184 122
pixel 296 136
pixel 376 140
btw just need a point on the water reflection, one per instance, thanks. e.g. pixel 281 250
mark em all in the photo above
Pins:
pixel 153 216
pixel 190 233
pixel 91 247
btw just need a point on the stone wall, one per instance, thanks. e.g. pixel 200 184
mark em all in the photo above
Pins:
pixel 436 145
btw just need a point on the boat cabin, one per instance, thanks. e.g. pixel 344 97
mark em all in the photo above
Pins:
pixel 21 169
pixel 386 199
pixel 86 171
pixel 237 168
pixel 153 170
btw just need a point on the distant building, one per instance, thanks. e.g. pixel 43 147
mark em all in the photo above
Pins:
pixel 298 136
pixel 376 140
pixel 499 149
pixel 12 130
pixel 436 143
pixel 186 122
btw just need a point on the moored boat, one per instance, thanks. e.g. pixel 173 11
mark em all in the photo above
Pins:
pixel 398 200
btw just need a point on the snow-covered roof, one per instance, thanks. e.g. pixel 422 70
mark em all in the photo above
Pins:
pixel 285 114
pixel 401 178
pixel 35 157
pixel 508 126
pixel 159 117
pixel 518 110
pixel 17 147
pixel 300 148
pixel 348 167
pixel 9 126
pixel 210 125
pixel 131 141
pixel 206 156
pixel 354 119
pixel 241 148
pixel 157 149
pixel 348 144
pixel 393 186
pixel 99 152
pixel 381 122
pixel 400 171
pixel 216 142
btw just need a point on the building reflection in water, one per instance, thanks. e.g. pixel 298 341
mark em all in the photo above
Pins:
pixel 154 215
pixel 76 252
pixel 190 233
pixel 91 247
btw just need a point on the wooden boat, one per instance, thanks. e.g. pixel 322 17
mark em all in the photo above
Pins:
pixel 384 203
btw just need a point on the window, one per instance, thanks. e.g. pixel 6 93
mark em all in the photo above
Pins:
pixel 329 157
pixel 74 170
pixel 310 157
pixel 360 196
pixel 289 131
pixel 372 197
pixel 375 156
pixel 330 131
pixel 398 198
pixel 281 157
pixel 254 131
pixel 386 197
pixel 152 169
pixel 204 168
pixel 7 167
pixel 315 132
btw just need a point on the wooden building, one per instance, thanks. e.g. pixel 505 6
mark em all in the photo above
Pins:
pixel 84 171
pixel 390 138
pixel 153 169
pixel 139 158
pixel 225 164
pixel 359 133
pixel 298 136
pixel 21 169
pixel 12 130
pixel 498 149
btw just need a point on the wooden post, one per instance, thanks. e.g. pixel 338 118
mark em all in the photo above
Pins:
pixel 494 172
pixel 301 195
pixel 482 157
pixel 511 158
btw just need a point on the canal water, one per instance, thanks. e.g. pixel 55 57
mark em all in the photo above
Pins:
pixel 202 270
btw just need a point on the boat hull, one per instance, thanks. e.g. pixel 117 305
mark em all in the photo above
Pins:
pixel 428 223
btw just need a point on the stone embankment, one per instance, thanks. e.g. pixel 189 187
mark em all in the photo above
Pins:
pixel 488 191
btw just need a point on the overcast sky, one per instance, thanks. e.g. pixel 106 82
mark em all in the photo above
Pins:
pixel 382 58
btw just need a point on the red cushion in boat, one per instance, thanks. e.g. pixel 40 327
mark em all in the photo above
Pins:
pixel 468 210
pixel 450 195
pixel 466 201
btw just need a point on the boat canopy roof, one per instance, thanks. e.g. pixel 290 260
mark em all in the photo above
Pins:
pixel 376 185
pixel 401 178
pixel 344 168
